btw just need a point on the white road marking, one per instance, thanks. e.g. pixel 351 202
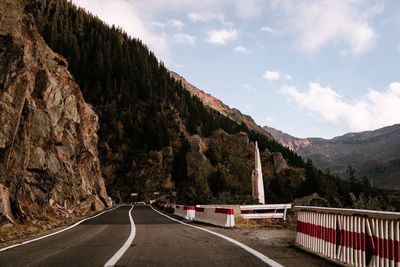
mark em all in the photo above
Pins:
pixel 111 262
pixel 259 255
pixel 55 233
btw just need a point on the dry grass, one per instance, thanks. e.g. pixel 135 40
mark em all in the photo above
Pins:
pixel 17 233
pixel 242 223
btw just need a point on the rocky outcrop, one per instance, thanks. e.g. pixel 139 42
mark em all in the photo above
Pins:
pixel 48 141
pixel 311 200
pixel 199 167
pixel 229 157
pixel 291 142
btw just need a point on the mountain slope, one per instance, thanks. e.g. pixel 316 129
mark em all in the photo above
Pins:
pixel 375 154
pixel 220 107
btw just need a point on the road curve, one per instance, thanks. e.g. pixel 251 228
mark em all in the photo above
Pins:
pixel 158 241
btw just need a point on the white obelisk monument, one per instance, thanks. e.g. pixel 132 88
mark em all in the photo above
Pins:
pixel 257 178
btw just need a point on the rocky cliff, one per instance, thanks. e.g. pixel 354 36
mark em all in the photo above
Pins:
pixel 291 142
pixel 49 165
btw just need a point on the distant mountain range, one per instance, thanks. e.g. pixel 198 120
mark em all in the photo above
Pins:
pixel 375 154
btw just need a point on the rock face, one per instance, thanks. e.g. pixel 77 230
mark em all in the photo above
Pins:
pixel 48 140
pixel 287 140
pixel 375 154
pixel 230 157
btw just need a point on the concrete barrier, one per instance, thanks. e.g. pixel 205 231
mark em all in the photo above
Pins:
pixel 236 208
pixel 187 212
pixel 224 217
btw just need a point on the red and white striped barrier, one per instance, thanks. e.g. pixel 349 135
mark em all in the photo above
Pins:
pixel 224 217
pixel 317 232
pixel 353 237
pixel 187 212
pixel 385 239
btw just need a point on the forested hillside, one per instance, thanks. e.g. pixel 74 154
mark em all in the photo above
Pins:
pixel 153 133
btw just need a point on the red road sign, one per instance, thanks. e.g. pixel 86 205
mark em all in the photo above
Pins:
pixel 134 194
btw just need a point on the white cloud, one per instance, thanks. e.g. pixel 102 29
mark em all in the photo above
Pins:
pixel 287 77
pixel 205 17
pixel 317 23
pixel 209 17
pixel 183 38
pixel 157 24
pixel 221 37
pixel 395 88
pixel 374 110
pixel 242 49
pixel 159 9
pixel 176 24
pixel 271 75
pixel 249 88
pixel 269 30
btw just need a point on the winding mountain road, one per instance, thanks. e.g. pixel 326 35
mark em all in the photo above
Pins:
pixel 138 236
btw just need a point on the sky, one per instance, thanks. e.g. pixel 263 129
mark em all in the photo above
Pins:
pixel 310 68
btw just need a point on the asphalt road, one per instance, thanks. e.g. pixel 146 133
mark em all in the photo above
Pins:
pixel 159 241
pixel 92 243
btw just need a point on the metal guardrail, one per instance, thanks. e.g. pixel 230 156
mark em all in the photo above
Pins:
pixel 274 211
pixel 350 236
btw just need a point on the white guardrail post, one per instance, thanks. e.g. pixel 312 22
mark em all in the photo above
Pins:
pixel 353 237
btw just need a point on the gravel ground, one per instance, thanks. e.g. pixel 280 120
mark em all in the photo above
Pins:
pixel 276 243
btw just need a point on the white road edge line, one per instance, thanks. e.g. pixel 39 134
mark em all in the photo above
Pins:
pixel 259 255
pixel 114 259
pixel 55 233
